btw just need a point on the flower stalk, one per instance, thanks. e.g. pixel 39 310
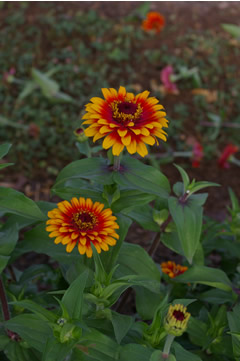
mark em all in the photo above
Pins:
pixel 167 346
pixel 116 163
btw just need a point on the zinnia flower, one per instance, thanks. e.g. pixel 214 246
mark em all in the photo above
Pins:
pixel 165 76
pixel 197 155
pixel 228 151
pixel 172 269
pixel 176 320
pixel 84 223
pixel 125 120
pixel 155 21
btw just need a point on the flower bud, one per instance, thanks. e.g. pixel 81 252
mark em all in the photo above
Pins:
pixel 176 320
pixel 81 137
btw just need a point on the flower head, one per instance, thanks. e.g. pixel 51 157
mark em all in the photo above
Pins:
pixel 172 269
pixel 155 22
pixel 197 155
pixel 84 223
pixel 228 151
pixel 165 76
pixel 176 320
pixel 125 120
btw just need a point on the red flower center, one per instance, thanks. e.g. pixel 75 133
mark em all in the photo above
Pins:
pixel 127 108
pixel 84 220
pixel 179 315
pixel 126 111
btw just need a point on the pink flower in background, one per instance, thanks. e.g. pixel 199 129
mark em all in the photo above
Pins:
pixel 8 75
pixel 165 77
pixel 197 155
pixel 227 152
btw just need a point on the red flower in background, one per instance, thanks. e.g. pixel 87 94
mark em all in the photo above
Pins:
pixel 155 21
pixel 227 152
pixel 165 77
pixel 197 155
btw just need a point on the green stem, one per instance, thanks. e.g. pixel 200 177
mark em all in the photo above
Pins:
pixel 5 309
pixel 167 346
pixel 235 161
pixel 116 164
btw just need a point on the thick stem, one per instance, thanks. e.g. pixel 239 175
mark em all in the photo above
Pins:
pixel 116 164
pixel 167 346
pixel 6 314
pixel 5 309
pixel 157 238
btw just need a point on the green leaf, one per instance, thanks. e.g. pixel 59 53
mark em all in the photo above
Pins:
pixel 73 297
pixel 206 275
pixel 38 240
pixel 134 352
pixel 184 176
pixel 3 262
pixel 110 258
pixel 130 199
pixel 188 219
pixel 28 89
pixel 48 86
pixel 79 188
pixel 234 324
pixel 184 355
pixel 217 296
pixel 40 311
pixel 234 200
pixel 143 215
pixel 8 239
pixel 134 260
pixel 136 175
pixel 31 329
pixel 4 165
pixel 4 149
pixel 145 297
pixel 121 325
pixel 99 346
pixel 234 30
pixel 201 185
pixel 90 168
pixel 56 351
pixel 15 202
pixel 8 123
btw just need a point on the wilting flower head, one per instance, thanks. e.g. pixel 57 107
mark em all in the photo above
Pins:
pixel 165 76
pixel 155 21
pixel 84 223
pixel 228 151
pixel 176 320
pixel 172 269
pixel 197 155
pixel 125 120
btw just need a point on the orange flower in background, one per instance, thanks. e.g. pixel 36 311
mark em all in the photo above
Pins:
pixel 82 223
pixel 125 120
pixel 155 21
pixel 172 269
pixel 227 152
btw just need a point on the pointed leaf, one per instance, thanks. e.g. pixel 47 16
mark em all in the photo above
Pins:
pixel 73 297
pixel 206 275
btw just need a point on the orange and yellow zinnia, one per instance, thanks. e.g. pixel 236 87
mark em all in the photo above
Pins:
pixel 154 22
pixel 172 269
pixel 83 223
pixel 125 120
